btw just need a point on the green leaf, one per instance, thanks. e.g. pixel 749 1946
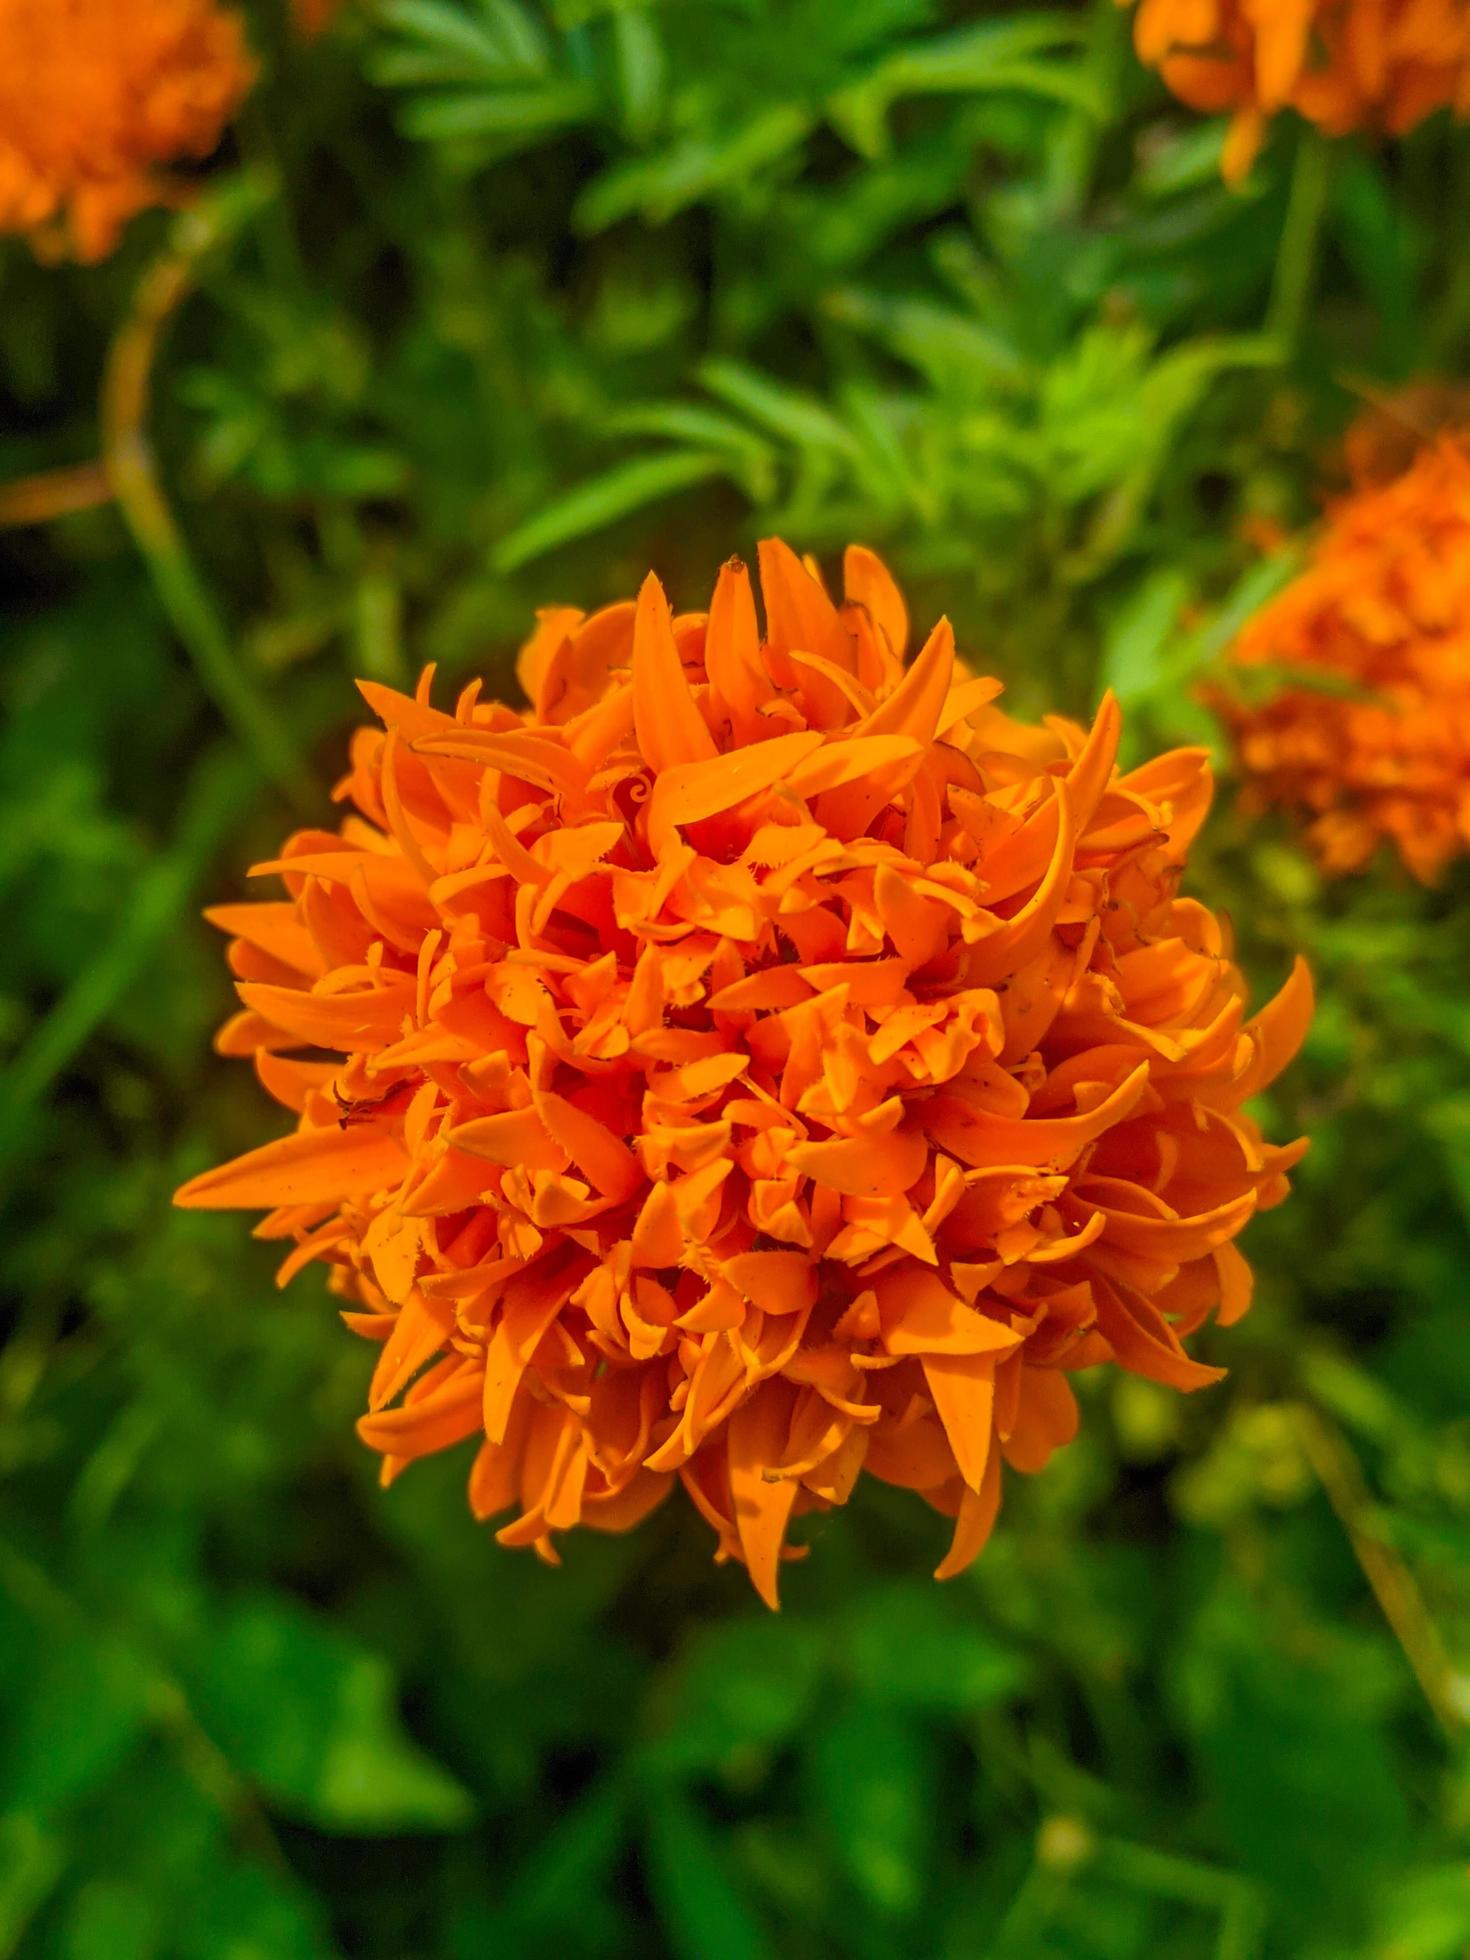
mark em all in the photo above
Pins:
pixel 493 43
pixel 31 1861
pixel 86 1707
pixel 1296 1758
pixel 1135 658
pixel 500 113
pixel 988 57
pixel 697 167
pixel 796 418
pixel 602 500
pixel 740 1691
pixel 700 1912
pixel 307 1715
pixel 568 1872
pixel 923 1650
pixel 110 1919
pixel 873 1774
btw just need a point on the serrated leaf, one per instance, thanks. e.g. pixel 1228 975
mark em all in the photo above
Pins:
pixel 494 42
pixel 701 166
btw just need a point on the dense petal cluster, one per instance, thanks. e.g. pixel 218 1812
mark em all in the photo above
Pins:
pixel 1343 64
pixel 1374 744
pixel 759 1062
pixel 96 97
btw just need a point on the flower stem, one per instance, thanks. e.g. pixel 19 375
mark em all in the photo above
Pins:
pixel 1299 253
pixel 128 458
pixel 53 493
pixel 1393 1585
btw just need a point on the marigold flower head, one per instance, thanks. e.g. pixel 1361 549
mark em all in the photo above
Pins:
pixel 96 96
pixel 757 1063
pixel 1343 64
pixel 1379 748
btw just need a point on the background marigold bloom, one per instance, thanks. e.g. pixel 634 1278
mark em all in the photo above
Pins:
pixel 96 96
pixel 313 17
pixel 1387 437
pixel 1343 64
pixel 757 1063
pixel 1381 750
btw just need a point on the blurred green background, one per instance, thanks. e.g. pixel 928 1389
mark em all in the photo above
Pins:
pixel 489 304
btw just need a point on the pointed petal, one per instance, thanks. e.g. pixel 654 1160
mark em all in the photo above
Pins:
pixel 799 615
pixel 312 1167
pixel 732 647
pixel 666 717
pixel 963 1388
pixel 1279 1030
pixel 868 582
pixel 762 1510
pixel 976 1520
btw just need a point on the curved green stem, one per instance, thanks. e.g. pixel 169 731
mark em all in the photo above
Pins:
pixel 128 458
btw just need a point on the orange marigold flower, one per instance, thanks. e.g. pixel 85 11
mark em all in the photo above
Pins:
pixel 756 1063
pixel 1343 64
pixel 96 96
pixel 1380 748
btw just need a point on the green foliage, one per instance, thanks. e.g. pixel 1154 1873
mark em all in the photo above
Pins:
pixel 494 303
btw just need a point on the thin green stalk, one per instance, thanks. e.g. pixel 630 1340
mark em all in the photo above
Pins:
pixel 1393 1584
pixel 1299 253
pixel 223 781
pixel 128 458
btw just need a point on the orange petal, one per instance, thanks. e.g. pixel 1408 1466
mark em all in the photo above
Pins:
pixel 528 1309
pixel 666 717
pixel 605 1159
pixel 762 1509
pixel 1050 1143
pixel 963 1388
pixel 914 705
pixel 696 790
pixel 440 1420
pixel 777 1282
pixel 920 1315
pixel 352 1023
pixel 863 1167
pixel 976 1520
pixel 1278 1031
pixel 798 612
pixel 312 1167
pixel 732 648
pixel 274 928
pixel 1143 1341
pixel 868 582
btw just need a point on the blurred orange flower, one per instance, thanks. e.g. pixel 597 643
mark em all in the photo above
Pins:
pixel 1343 64
pixel 96 96
pixel 313 17
pixel 1386 438
pixel 1379 748
pixel 758 1062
